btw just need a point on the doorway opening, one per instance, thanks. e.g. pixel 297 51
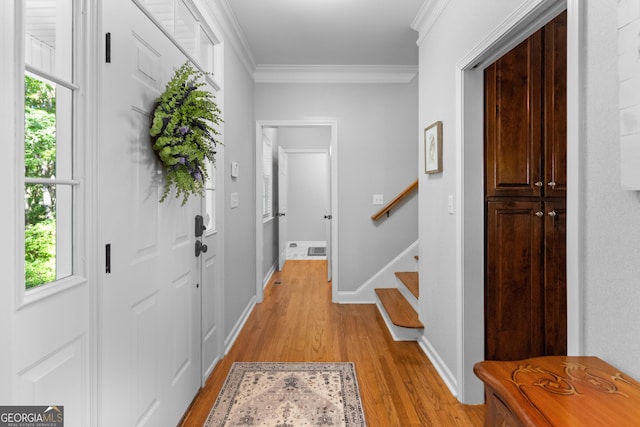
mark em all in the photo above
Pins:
pixel 470 181
pixel 307 141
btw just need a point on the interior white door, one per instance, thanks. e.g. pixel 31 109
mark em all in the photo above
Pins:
pixel 328 218
pixel 283 184
pixel 150 358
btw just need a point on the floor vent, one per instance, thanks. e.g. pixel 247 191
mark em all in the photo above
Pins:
pixel 317 251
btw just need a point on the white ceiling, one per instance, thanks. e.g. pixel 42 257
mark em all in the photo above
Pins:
pixel 329 32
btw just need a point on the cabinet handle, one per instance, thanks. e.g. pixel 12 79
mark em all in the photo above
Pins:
pixel 552 184
pixel 539 214
pixel 552 214
pixel 538 184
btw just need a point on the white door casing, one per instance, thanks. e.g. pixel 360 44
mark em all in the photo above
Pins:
pixel 283 185
pixel 333 150
pixel 149 324
pixel 530 16
pixel 212 276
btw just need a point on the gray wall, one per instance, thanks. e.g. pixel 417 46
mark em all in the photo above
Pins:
pixel 239 223
pixel 609 216
pixel 377 151
pixel 612 216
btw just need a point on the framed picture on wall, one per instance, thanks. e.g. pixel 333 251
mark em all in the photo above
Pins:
pixel 433 148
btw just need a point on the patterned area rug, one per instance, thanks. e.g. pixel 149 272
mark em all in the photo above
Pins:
pixel 288 395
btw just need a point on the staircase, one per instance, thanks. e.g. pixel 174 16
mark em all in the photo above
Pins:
pixel 399 306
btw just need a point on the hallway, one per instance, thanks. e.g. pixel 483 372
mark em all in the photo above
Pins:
pixel 297 322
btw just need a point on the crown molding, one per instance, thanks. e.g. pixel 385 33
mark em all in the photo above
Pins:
pixel 266 73
pixel 427 16
pixel 220 13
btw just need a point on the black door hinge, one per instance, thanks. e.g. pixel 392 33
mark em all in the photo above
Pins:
pixel 107 256
pixel 107 42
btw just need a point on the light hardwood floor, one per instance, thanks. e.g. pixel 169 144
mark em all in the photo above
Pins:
pixel 298 323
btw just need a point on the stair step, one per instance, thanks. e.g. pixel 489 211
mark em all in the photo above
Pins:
pixel 398 308
pixel 411 281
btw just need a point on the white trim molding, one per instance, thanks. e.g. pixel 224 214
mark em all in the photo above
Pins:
pixel 443 370
pixel 221 15
pixel 230 339
pixel 266 73
pixel 427 16
pixel 333 150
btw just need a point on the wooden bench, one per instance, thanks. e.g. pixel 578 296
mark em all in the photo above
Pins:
pixel 558 391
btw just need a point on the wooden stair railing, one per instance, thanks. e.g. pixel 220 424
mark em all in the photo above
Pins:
pixel 387 208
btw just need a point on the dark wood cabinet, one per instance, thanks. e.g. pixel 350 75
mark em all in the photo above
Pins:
pixel 525 114
pixel 525 189
pixel 555 277
pixel 514 322
pixel 513 114
pixel 525 298
pixel 555 108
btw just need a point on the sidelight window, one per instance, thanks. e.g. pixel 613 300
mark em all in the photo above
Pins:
pixel 49 182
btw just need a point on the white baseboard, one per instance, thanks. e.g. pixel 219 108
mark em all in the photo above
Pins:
pixel 444 372
pixel 210 369
pixel 233 335
pixel 267 277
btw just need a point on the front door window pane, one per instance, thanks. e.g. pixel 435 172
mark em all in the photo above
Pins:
pixel 47 233
pixel 48 141
pixel 49 36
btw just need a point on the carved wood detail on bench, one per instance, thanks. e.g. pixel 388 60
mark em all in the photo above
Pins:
pixel 558 391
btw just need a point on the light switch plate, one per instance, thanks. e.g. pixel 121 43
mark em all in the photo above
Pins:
pixel 235 169
pixel 450 206
pixel 234 200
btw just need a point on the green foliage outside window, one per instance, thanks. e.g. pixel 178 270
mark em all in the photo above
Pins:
pixel 40 200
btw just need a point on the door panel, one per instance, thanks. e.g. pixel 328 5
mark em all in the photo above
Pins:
pixel 512 112
pixel 212 315
pixel 514 299
pixel 283 191
pixel 555 146
pixel 555 278
pixel 150 308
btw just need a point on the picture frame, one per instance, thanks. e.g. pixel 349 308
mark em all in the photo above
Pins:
pixel 433 148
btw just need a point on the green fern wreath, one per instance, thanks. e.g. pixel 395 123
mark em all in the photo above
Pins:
pixel 183 132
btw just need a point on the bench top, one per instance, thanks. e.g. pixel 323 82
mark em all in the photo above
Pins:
pixel 564 391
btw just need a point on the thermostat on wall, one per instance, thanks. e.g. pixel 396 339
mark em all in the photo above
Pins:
pixel 234 169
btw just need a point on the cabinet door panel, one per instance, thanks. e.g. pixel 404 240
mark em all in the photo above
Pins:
pixel 555 278
pixel 555 116
pixel 513 121
pixel 514 324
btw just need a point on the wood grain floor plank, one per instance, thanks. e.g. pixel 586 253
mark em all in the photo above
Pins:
pixel 297 322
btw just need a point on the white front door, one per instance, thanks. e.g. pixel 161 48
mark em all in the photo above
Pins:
pixel 149 323
pixel 283 183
